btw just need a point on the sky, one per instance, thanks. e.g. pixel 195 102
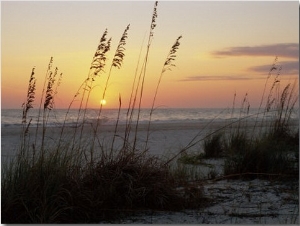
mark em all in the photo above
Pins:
pixel 226 48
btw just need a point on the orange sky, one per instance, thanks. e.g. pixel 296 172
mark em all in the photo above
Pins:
pixel 227 47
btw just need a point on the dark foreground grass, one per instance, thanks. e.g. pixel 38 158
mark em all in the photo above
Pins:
pixel 265 157
pixel 213 146
pixel 272 154
pixel 58 189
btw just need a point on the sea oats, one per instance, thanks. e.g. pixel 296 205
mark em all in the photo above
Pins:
pixel 99 59
pixel 167 66
pixel 171 56
pixel 48 104
pixel 141 80
pixel 30 96
pixel 119 55
pixel 153 21
pixel 116 62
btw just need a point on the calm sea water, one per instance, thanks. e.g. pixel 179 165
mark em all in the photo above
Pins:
pixel 13 118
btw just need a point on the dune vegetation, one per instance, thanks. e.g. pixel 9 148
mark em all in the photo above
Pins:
pixel 252 146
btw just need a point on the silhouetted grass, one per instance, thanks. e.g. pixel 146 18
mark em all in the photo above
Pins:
pixel 266 156
pixel 213 146
pixel 273 150
pixel 58 188
pixel 269 147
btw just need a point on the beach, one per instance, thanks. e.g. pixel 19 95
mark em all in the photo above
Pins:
pixel 165 138
pixel 231 201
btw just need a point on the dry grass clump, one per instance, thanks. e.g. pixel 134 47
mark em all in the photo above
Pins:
pixel 33 191
pixel 130 182
pixel 237 142
pixel 57 188
pixel 264 158
pixel 213 146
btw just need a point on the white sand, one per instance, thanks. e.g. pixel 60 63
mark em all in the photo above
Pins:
pixel 164 139
pixel 235 202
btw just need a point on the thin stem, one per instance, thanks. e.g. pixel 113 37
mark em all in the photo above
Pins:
pixel 116 62
pixel 167 66
pixel 131 104
pixel 116 127
pixel 150 38
pixel 43 91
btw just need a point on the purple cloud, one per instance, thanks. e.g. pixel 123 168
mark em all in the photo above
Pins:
pixel 215 78
pixel 256 72
pixel 288 68
pixel 289 50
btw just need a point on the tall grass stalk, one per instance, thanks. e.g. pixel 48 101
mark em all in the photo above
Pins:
pixel 131 104
pixel 28 104
pixel 168 64
pixel 48 103
pixel 144 69
pixel 48 72
pixel 244 111
pixel 284 108
pixel 96 67
pixel 98 64
pixel 116 63
pixel 233 107
pixel 63 127
pixel 116 128
pixel 272 68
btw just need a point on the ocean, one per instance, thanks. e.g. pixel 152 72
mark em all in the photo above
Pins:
pixel 56 117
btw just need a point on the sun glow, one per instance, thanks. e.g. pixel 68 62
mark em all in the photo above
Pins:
pixel 103 102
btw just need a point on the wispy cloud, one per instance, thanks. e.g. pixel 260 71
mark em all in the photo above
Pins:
pixel 289 50
pixel 214 78
pixel 256 72
pixel 282 50
pixel 288 68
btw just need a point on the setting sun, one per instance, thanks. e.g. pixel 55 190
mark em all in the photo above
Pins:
pixel 103 102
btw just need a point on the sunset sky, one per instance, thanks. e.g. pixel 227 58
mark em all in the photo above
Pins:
pixel 226 47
